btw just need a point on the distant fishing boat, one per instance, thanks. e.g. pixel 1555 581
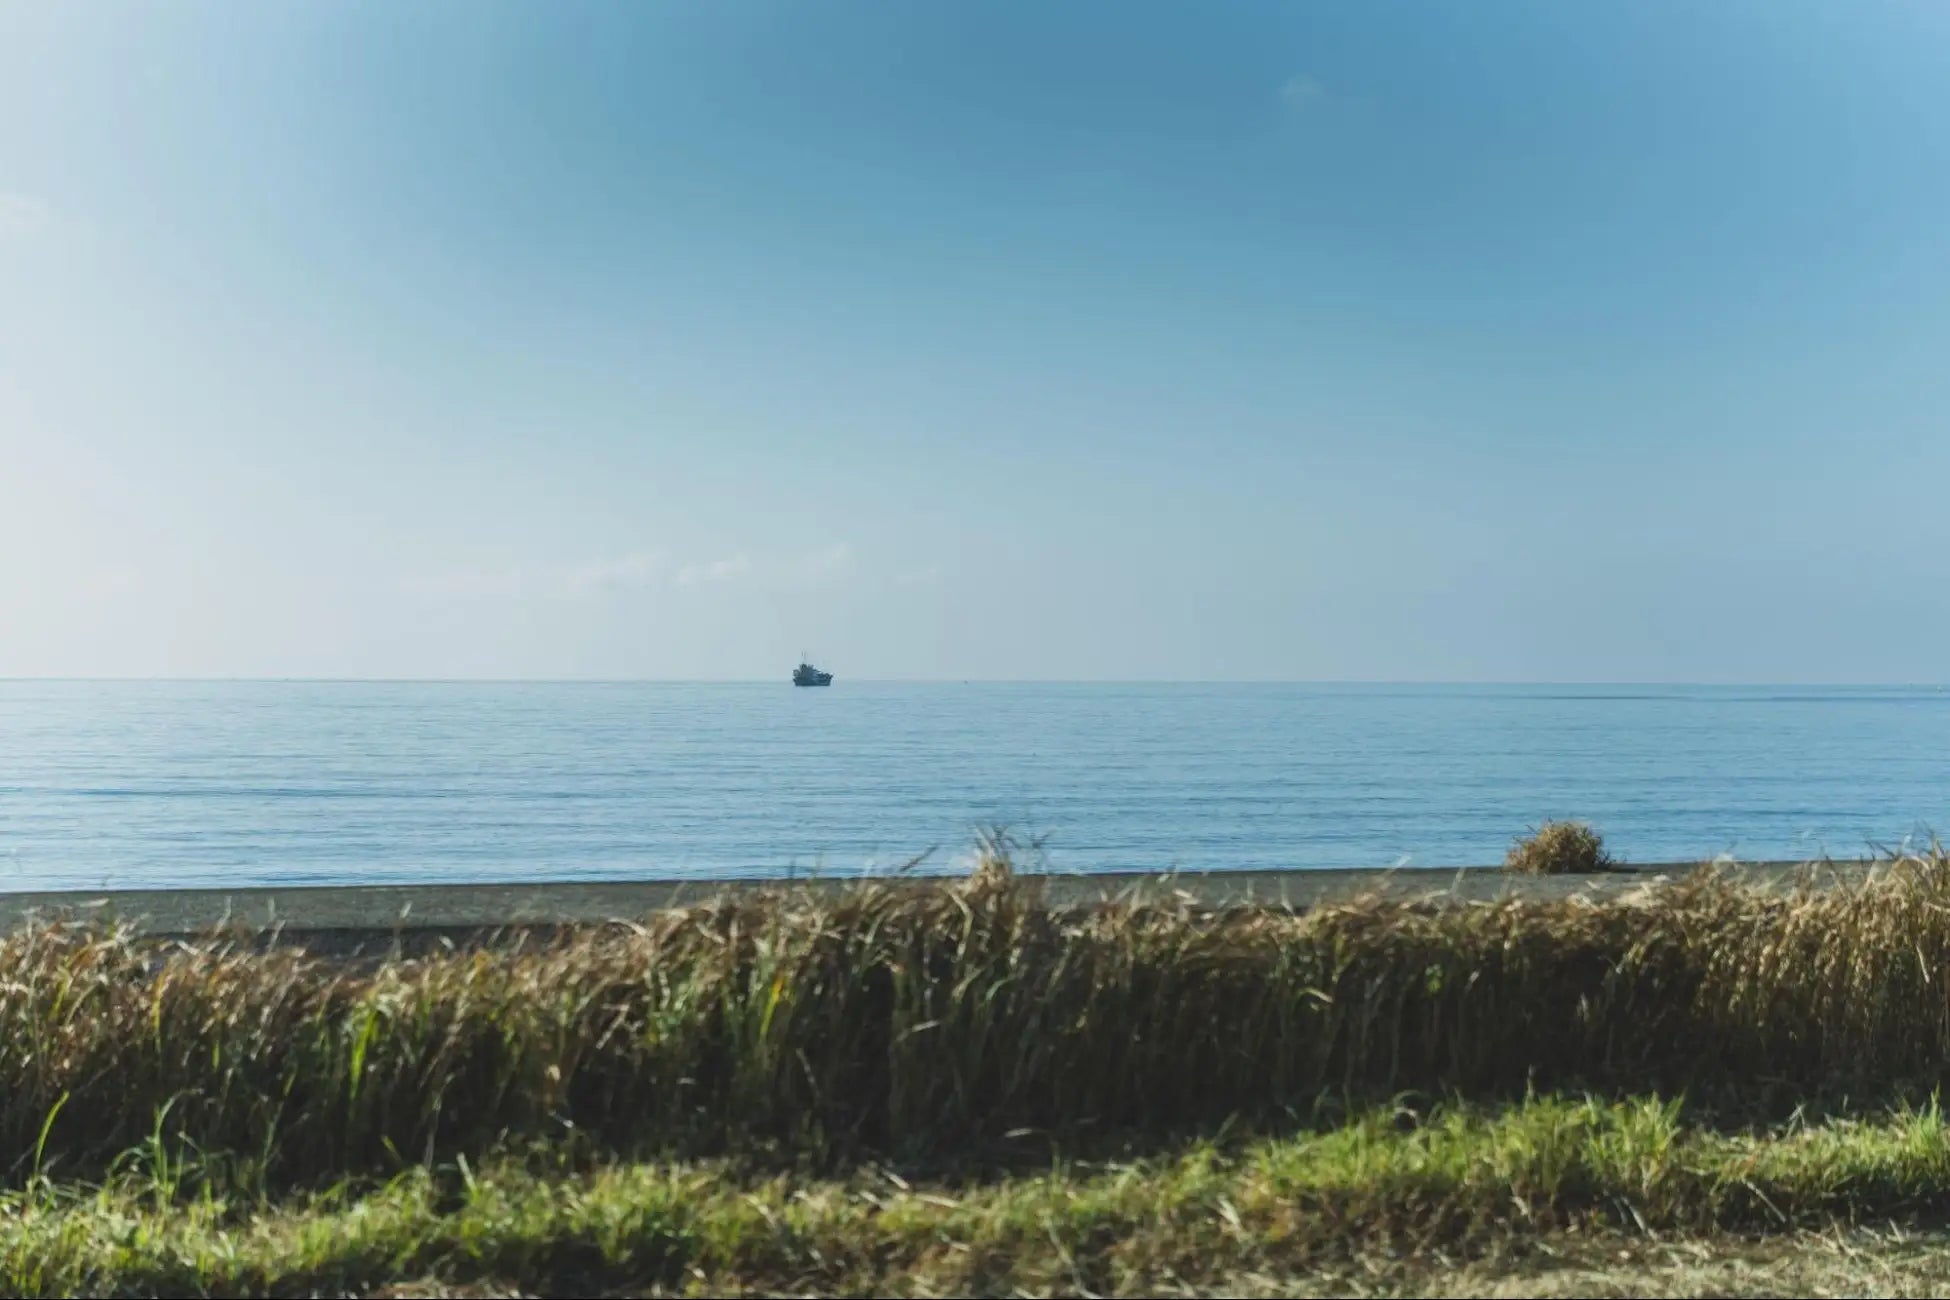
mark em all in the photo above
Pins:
pixel 807 675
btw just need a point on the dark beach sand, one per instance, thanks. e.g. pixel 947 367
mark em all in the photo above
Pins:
pixel 374 917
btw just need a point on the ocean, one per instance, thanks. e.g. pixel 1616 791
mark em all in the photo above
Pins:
pixel 160 784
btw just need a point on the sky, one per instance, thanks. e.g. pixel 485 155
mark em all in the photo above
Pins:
pixel 1308 341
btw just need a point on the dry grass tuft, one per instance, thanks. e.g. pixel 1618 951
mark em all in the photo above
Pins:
pixel 1559 848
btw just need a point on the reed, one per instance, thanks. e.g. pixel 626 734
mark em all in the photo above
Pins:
pixel 925 1021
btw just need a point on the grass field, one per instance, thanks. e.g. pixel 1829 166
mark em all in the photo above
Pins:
pixel 1386 1201
pixel 957 1089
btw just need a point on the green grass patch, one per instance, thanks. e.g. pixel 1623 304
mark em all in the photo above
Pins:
pixel 1266 1216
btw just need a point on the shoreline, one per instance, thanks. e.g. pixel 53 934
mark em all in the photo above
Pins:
pixel 362 914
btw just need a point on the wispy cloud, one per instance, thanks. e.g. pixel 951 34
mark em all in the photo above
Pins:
pixel 1300 92
pixel 927 577
pixel 22 214
pixel 637 569
pixel 108 584
pixel 827 562
pixel 691 575
pixel 634 571
pixel 470 584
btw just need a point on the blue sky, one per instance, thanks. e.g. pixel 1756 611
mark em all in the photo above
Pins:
pixel 1319 341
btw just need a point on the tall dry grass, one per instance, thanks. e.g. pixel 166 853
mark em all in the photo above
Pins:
pixel 1559 848
pixel 917 1019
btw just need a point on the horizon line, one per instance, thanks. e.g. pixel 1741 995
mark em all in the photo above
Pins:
pixel 272 679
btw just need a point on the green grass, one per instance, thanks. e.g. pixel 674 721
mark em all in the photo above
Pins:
pixel 961 1021
pixel 1270 1215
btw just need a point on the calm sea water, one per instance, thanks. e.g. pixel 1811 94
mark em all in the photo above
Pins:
pixel 165 783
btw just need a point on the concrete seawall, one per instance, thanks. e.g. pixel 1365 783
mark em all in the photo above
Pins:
pixel 358 915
